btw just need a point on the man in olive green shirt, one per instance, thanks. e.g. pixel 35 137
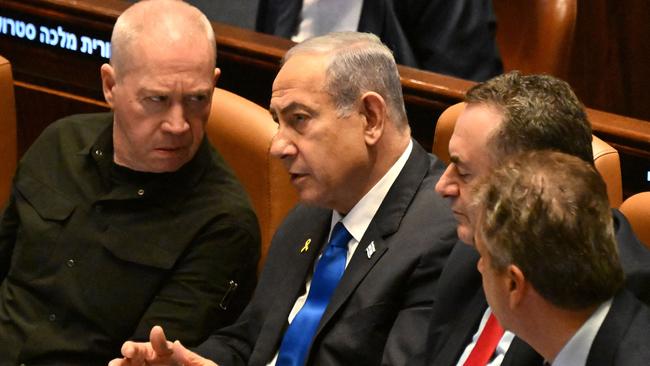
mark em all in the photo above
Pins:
pixel 121 221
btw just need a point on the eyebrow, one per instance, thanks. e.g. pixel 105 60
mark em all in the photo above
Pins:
pixel 148 91
pixel 162 91
pixel 458 162
pixel 291 107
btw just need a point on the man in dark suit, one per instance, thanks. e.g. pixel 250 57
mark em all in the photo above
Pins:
pixel 344 138
pixel 549 262
pixel 449 37
pixel 506 115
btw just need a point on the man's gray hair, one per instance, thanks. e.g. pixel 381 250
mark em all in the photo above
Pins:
pixel 359 63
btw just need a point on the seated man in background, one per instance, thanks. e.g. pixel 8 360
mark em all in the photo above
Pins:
pixel 507 115
pixel 449 37
pixel 549 262
pixel 364 298
pixel 121 221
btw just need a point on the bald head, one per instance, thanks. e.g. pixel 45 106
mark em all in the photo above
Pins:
pixel 159 25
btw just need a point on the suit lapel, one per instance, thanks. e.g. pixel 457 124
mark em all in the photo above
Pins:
pixel 520 353
pixel 316 227
pixel 385 223
pixel 458 306
pixel 457 338
pixel 372 16
pixel 357 269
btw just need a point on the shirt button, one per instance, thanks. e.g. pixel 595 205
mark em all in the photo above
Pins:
pixel 52 317
pixel 140 192
pixel 70 263
pixel 99 152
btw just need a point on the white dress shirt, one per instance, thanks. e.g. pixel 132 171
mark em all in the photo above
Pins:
pixel 576 350
pixel 357 221
pixel 319 17
pixel 499 352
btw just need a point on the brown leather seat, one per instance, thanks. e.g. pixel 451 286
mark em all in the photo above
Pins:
pixel 8 137
pixel 608 165
pixel 636 209
pixel 242 131
pixel 536 36
pixel 606 157
pixel 444 130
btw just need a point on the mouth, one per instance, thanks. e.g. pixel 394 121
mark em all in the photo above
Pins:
pixel 459 215
pixel 169 150
pixel 296 177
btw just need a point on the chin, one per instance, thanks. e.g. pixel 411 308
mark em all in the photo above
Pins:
pixel 311 198
pixel 465 234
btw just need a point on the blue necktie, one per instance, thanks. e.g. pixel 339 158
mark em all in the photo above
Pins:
pixel 329 270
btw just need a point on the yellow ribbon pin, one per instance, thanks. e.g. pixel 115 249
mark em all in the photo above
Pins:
pixel 306 246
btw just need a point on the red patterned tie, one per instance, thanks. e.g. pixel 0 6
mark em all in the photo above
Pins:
pixel 486 344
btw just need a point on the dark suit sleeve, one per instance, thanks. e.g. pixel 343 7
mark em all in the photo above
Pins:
pixel 452 37
pixel 232 345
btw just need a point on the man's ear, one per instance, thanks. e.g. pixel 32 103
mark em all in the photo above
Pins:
pixel 515 285
pixel 217 73
pixel 373 107
pixel 108 82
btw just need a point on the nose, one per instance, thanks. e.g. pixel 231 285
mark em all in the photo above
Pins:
pixel 281 146
pixel 176 123
pixel 447 186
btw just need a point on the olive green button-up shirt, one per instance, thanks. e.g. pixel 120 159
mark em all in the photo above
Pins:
pixel 93 254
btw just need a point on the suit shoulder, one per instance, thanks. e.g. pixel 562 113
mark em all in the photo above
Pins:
pixel 634 346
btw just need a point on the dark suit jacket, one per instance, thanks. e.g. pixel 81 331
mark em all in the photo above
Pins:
pixel 460 301
pixel 378 313
pixel 624 336
pixel 450 37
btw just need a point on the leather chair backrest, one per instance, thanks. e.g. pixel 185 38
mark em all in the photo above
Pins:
pixel 608 165
pixel 242 131
pixel 444 130
pixel 606 158
pixel 636 209
pixel 535 36
pixel 8 136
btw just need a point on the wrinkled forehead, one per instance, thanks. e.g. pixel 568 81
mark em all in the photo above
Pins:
pixel 300 77
pixel 301 70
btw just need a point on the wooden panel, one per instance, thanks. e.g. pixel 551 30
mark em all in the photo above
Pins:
pixel 37 107
pixel 609 66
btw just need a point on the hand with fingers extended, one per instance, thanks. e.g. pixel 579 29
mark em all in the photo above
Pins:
pixel 158 352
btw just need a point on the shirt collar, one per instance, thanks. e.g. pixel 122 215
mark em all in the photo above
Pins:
pixel 168 189
pixel 360 216
pixel 576 350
